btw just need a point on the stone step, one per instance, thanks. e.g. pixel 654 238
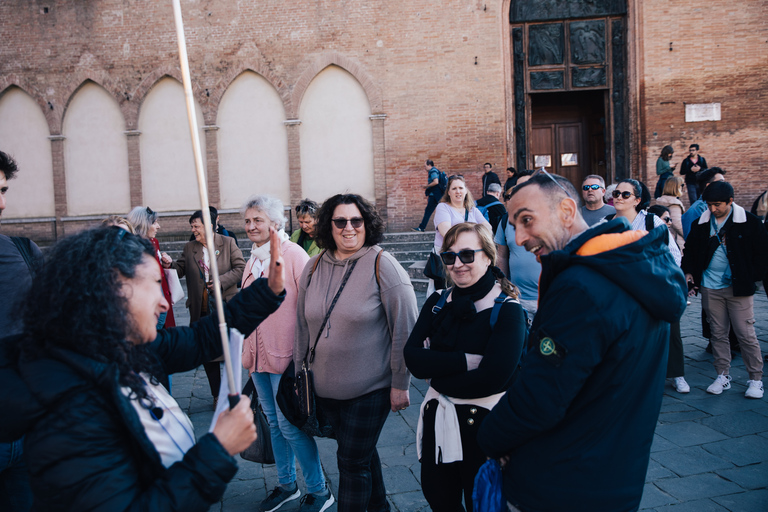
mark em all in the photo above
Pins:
pixel 409 236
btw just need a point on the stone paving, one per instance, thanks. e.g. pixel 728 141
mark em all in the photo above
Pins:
pixel 709 454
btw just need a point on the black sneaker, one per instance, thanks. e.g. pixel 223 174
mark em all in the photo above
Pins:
pixel 417 229
pixel 316 503
pixel 277 498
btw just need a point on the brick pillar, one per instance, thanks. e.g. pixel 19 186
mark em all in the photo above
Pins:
pixel 211 155
pixel 134 167
pixel 59 181
pixel 294 161
pixel 379 165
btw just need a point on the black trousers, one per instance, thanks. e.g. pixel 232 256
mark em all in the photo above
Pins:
pixel 675 362
pixel 443 484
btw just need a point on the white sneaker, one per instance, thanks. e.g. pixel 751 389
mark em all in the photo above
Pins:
pixel 681 386
pixel 754 389
pixel 721 382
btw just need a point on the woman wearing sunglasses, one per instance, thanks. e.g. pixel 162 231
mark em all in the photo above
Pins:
pixel 631 198
pixel 355 310
pixel 144 222
pixel 467 342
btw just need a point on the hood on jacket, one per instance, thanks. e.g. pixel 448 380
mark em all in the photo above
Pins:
pixel 641 265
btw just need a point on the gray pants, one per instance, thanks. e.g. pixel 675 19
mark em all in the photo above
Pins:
pixel 724 310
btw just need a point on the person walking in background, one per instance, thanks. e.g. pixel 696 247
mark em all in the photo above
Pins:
pixel 488 177
pixel 572 412
pixel 726 253
pixel 195 263
pixel 19 258
pixel 594 209
pixel 689 168
pixel 304 237
pixel 144 222
pixel 511 180
pixel 469 357
pixel 267 353
pixel 664 169
pixel 434 190
pixel 354 320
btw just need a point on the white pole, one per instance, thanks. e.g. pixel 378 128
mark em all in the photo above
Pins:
pixel 203 188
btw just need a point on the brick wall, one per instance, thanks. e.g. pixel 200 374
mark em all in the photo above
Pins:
pixel 435 69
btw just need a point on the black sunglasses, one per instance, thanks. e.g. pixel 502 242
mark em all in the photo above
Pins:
pixel 342 223
pixel 626 195
pixel 668 220
pixel 465 255
pixel 593 187
pixel 149 211
pixel 303 208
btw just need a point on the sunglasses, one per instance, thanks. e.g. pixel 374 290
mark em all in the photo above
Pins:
pixel 342 223
pixel 544 172
pixel 465 255
pixel 591 187
pixel 668 220
pixel 149 211
pixel 626 195
pixel 304 209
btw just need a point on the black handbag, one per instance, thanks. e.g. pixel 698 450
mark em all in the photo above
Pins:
pixel 261 449
pixel 296 391
pixel 434 270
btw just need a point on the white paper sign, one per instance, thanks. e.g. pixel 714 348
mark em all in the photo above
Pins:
pixel 696 112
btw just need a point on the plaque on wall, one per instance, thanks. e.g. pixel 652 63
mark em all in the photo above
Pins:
pixel 587 42
pixel 588 77
pixel 546 44
pixel 543 10
pixel 545 80
pixel 696 112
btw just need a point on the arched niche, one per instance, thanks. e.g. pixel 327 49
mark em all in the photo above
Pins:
pixel 24 135
pixel 252 142
pixel 336 137
pixel 168 176
pixel 95 154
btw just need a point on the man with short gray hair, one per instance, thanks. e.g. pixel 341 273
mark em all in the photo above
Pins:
pixel 491 206
pixel 594 209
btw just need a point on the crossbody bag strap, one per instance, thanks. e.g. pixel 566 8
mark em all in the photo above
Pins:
pixel 328 314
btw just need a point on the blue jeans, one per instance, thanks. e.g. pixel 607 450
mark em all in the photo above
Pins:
pixel 15 492
pixel 288 440
pixel 432 202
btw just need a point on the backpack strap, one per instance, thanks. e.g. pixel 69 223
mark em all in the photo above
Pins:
pixel 441 301
pixel 24 245
pixel 649 224
pixel 314 267
pixel 466 214
pixel 376 268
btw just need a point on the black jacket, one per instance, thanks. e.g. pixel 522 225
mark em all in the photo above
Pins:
pixel 685 169
pixel 85 446
pixel 579 419
pixel 746 243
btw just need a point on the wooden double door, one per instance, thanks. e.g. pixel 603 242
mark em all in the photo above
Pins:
pixel 558 147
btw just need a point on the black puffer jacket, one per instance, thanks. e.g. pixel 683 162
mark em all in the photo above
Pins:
pixel 85 446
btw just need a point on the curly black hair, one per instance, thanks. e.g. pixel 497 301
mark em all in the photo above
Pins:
pixel 7 166
pixel 374 224
pixel 75 303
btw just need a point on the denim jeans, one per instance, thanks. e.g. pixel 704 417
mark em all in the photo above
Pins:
pixel 288 440
pixel 15 492
pixel 432 202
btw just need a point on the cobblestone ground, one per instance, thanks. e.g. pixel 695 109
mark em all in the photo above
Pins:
pixel 710 453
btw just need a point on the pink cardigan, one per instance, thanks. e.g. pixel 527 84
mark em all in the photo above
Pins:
pixel 270 347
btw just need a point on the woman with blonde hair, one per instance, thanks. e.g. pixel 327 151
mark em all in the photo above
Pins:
pixel 120 222
pixel 674 188
pixel 467 341
pixel 144 222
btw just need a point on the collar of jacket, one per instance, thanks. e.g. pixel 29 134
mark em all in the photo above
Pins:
pixel 739 215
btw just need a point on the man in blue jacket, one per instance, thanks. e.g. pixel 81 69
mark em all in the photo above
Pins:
pixel 575 429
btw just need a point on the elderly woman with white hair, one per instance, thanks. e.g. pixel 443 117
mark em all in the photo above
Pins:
pixel 144 222
pixel 267 352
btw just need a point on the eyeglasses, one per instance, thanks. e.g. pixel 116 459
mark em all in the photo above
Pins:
pixel 543 171
pixel 592 187
pixel 626 195
pixel 342 223
pixel 149 211
pixel 465 255
pixel 305 208
pixel 668 220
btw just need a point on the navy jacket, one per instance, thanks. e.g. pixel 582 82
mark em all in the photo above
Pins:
pixel 578 421
pixel 746 242
pixel 85 446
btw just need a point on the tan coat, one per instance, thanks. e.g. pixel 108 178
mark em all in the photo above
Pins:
pixel 676 210
pixel 231 265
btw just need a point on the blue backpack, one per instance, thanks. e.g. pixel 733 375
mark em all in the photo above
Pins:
pixel 484 209
pixel 442 181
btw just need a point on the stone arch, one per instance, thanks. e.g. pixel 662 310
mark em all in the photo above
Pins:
pixel 50 114
pixel 348 64
pixel 252 141
pixel 95 152
pixel 257 66
pixel 25 135
pixel 99 77
pixel 153 78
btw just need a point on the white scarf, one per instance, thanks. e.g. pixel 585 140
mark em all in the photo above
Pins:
pixel 260 255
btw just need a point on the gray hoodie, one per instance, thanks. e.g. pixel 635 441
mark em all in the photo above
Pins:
pixel 361 348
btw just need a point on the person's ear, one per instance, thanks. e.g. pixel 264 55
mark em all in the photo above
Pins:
pixel 567 211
